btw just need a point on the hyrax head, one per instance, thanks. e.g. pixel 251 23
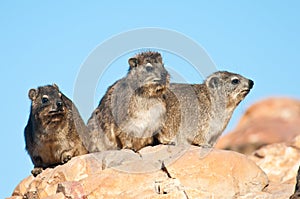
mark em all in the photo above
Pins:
pixel 47 104
pixel 148 74
pixel 230 87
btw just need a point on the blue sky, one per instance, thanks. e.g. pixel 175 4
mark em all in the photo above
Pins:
pixel 46 42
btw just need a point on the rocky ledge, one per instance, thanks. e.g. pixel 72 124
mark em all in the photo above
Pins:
pixel 170 172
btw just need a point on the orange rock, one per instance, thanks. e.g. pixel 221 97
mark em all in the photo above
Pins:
pixel 104 175
pixel 221 174
pixel 15 197
pixel 268 121
pixel 279 161
pixel 57 196
pixel 22 187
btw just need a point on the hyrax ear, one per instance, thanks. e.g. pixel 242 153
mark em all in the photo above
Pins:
pixel 32 94
pixel 213 82
pixel 55 86
pixel 133 62
pixel 159 58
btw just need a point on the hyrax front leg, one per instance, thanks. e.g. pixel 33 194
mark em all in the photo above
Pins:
pixel 36 171
pixel 37 160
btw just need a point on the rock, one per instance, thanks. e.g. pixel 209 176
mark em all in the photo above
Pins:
pixel 22 187
pixel 269 121
pixel 221 174
pixel 57 196
pixel 154 172
pixel 296 194
pixel 280 162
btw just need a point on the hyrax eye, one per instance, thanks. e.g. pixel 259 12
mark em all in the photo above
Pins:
pixel 149 68
pixel 45 99
pixel 235 81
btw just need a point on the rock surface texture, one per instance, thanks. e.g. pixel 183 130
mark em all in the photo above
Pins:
pixel 171 172
pixel 280 162
pixel 156 172
pixel 269 121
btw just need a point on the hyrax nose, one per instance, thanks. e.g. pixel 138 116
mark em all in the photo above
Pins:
pixel 59 104
pixel 251 83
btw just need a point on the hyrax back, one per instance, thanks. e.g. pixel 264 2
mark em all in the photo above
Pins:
pixel 198 113
pixel 52 132
pixel 133 109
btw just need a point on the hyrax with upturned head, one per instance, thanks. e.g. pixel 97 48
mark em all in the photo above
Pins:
pixel 198 113
pixel 133 109
pixel 52 134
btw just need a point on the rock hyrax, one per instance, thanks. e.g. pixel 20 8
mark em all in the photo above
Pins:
pixel 198 113
pixel 133 109
pixel 51 134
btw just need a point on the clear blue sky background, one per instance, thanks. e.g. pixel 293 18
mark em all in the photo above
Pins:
pixel 42 42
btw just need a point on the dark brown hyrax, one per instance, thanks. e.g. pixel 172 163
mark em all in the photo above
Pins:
pixel 52 132
pixel 198 113
pixel 133 109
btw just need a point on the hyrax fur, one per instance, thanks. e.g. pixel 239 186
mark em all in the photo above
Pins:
pixel 52 132
pixel 133 109
pixel 198 113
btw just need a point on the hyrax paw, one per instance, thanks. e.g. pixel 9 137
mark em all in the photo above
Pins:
pixel 36 171
pixel 66 158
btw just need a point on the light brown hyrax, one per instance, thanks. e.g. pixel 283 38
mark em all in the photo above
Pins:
pixel 52 132
pixel 198 113
pixel 133 108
